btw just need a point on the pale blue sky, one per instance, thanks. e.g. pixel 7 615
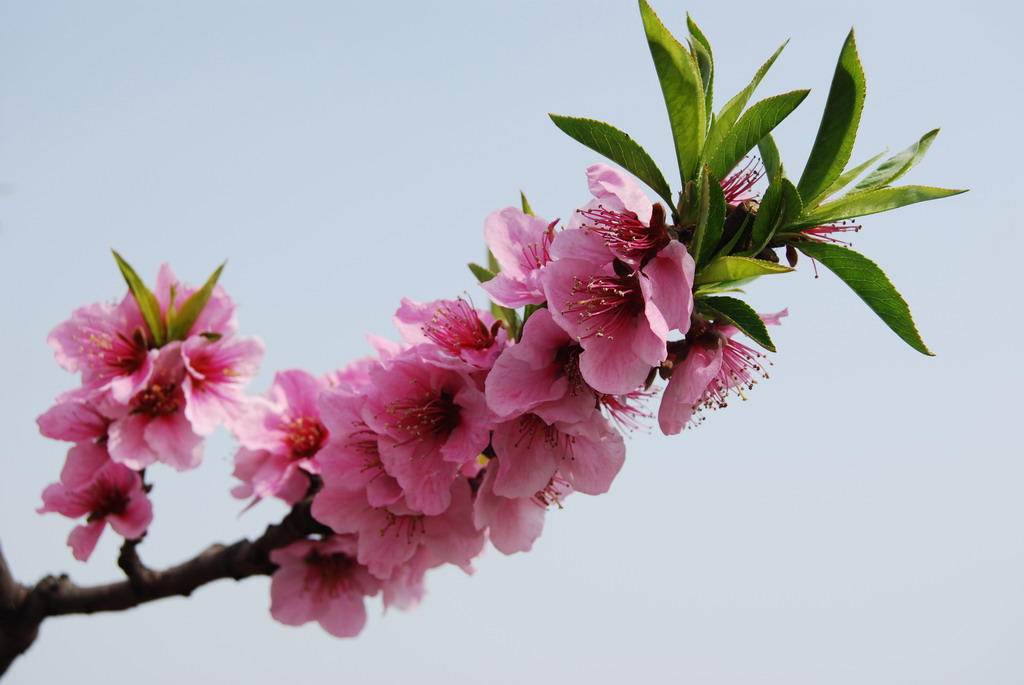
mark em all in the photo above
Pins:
pixel 858 520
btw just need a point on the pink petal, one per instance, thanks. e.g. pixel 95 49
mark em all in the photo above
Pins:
pixel 83 539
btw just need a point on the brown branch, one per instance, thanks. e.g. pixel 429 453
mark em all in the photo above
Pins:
pixel 22 609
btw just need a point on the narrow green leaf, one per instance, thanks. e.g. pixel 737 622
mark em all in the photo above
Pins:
pixel 492 263
pixel 870 202
pixel 740 315
pixel 739 233
pixel 893 168
pixel 735 268
pixel 723 123
pixel 147 301
pixel 755 124
pixel 710 220
pixel 482 275
pixel 781 203
pixel 529 311
pixel 683 90
pixel 770 156
pixel 188 313
pixel 838 129
pixel 526 205
pixel 723 287
pixel 510 318
pixel 871 285
pixel 701 49
pixel 618 147
pixel 847 176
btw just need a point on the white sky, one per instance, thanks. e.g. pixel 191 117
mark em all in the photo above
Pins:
pixel 857 520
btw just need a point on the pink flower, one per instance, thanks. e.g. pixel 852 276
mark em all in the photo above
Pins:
pixel 154 427
pixel 351 457
pixel 217 371
pixel 520 243
pixel 455 327
pixel 431 420
pixel 109 345
pixel 321 581
pixel 587 455
pixel 93 486
pixel 514 523
pixel 541 374
pixel 389 537
pixel 280 438
pixel 714 366
pixel 621 319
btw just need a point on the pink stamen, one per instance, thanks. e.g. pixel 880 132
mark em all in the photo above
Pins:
pixel 536 255
pixel 625 234
pixel 738 186
pixel 457 326
pixel 305 436
pixel 606 304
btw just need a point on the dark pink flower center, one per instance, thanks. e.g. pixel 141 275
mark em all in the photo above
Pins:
pixel 157 400
pixel 605 304
pixel 567 359
pixel 626 235
pixel 304 436
pixel 328 575
pixel 104 497
pixel 456 326
pixel 111 355
pixel 431 415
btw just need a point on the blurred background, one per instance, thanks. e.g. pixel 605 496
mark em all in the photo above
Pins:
pixel 857 520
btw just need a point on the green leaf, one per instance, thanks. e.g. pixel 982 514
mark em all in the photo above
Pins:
pixel 735 268
pixel 723 123
pixel 737 234
pixel 529 311
pixel 701 49
pixel 618 147
pixel 482 275
pixel 770 156
pixel 181 321
pixel 838 129
pixel 710 220
pixel 510 318
pixel 526 205
pixel 847 176
pixel 740 315
pixel 871 284
pixel 147 301
pixel 781 203
pixel 893 168
pixel 755 124
pixel 683 90
pixel 723 287
pixel 870 202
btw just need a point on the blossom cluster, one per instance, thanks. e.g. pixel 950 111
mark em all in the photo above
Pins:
pixel 141 401
pixel 466 431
